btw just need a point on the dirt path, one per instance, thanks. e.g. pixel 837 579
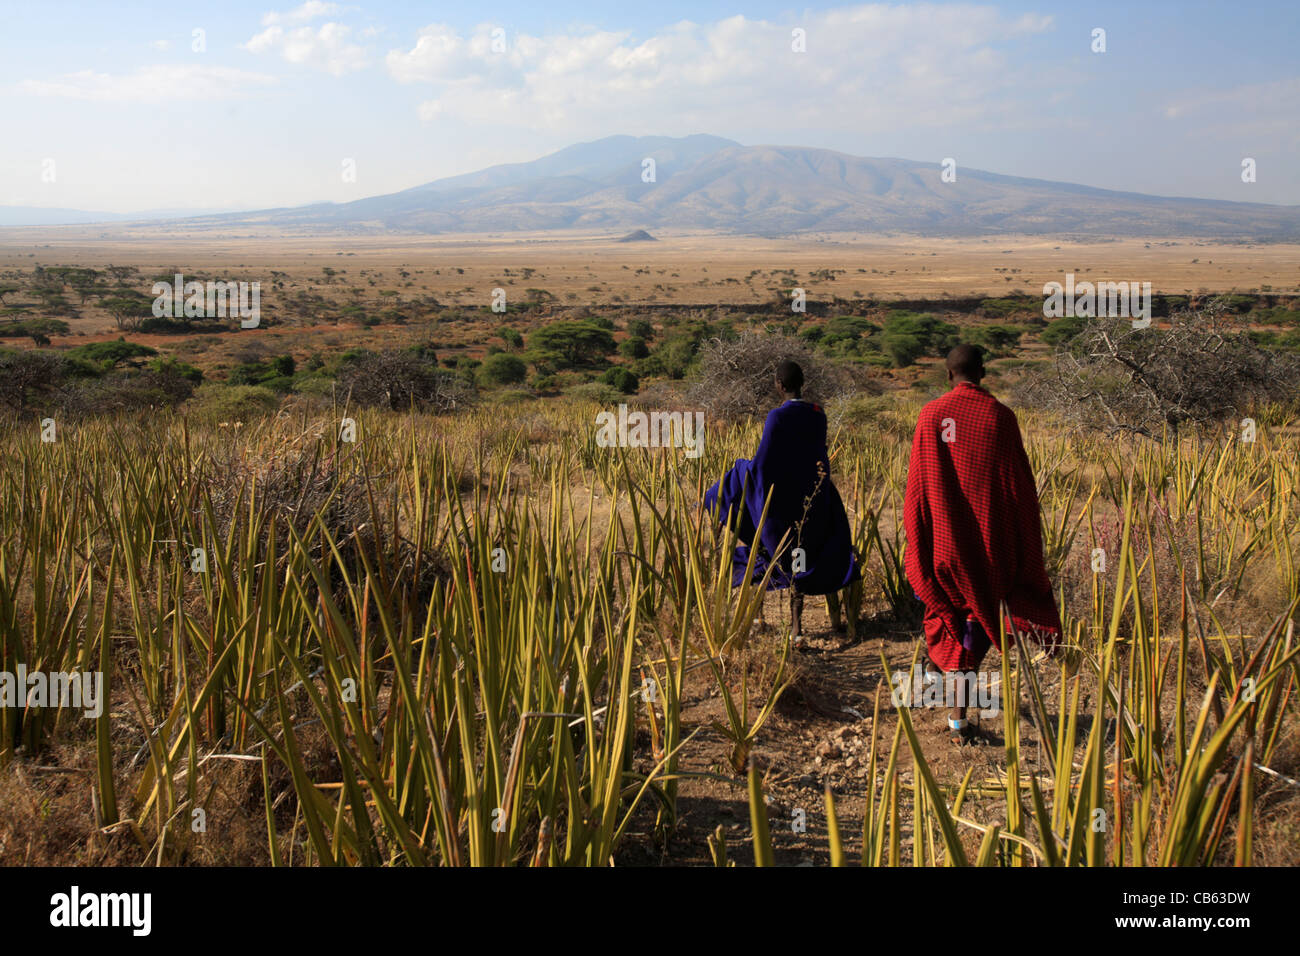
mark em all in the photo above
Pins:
pixel 819 734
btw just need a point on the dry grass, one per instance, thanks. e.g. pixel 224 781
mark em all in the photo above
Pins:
pixel 367 568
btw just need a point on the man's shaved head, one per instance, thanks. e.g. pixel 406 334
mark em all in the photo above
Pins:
pixel 790 377
pixel 966 362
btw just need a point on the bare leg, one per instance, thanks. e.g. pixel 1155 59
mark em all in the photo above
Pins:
pixel 833 610
pixel 958 729
pixel 855 608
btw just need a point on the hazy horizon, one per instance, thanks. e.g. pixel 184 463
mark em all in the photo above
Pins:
pixel 199 211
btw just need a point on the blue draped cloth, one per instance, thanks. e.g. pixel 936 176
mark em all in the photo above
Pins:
pixel 792 464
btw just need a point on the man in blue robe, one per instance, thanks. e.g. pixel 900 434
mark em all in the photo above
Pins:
pixel 791 465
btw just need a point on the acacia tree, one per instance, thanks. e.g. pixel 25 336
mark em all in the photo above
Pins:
pixel 53 301
pixel 576 341
pixel 86 284
pixel 40 330
pixel 128 308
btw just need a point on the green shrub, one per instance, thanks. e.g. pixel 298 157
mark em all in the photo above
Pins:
pixel 996 339
pixel 640 329
pixel 106 355
pixel 174 366
pixel 163 325
pixel 676 355
pixel 38 329
pixel 511 396
pixel 908 335
pixel 502 368
pixel 1005 307
pixel 597 392
pixel 319 385
pixel 1062 330
pixel 1278 315
pixel 622 379
pixel 544 361
pixel 214 403
pixel 276 374
pixel 633 348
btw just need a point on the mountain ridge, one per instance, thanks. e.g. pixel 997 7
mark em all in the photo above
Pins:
pixel 705 182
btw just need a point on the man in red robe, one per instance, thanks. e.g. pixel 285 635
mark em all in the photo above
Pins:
pixel 974 538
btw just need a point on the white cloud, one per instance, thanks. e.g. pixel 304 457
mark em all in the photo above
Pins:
pixel 152 84
pixel 161 44
pixel 308 11
pixel 326 47
pixel 884 66
pixel 1033 23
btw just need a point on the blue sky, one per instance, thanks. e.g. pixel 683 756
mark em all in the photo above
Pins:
pixel 109 107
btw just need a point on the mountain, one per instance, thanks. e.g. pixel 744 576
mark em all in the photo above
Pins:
pixel 710 183
pixel 50 216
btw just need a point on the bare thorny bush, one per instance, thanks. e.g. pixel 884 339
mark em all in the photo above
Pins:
pixel 736 377
pixel 1199 371
pixel 295 477
pixel 304 484
pixel 398 380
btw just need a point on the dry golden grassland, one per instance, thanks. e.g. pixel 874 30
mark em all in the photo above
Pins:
pixel 682 269
pixel 360 675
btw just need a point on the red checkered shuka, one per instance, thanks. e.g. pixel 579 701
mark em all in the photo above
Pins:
pixel 973 534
